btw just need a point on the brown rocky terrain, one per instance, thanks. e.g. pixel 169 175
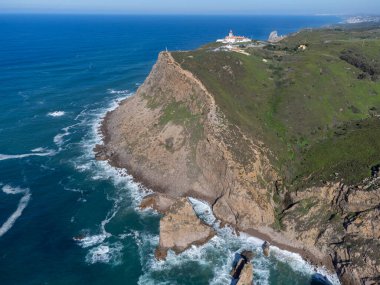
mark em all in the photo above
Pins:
pixel 172 137
pixel 181 228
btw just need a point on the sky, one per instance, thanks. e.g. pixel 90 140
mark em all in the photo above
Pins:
pixel 346 7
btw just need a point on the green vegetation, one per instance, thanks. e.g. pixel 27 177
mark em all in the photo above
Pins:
pixel 179 113
pixel 316 109
pixel 305 205
pixel 176 113
pixel 350 153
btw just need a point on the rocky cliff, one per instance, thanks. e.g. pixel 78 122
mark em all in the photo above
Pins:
pixel 173 137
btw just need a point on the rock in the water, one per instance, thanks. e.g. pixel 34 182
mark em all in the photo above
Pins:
pixel 246 277
pixel 101 152
pixel 180 228
pixel 266 248
pixel 274 37
pixel 242 269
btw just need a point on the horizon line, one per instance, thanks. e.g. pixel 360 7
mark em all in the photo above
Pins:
pixel 179 14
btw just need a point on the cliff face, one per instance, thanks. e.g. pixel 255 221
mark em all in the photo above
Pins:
pixel 173 137
pixel 342 222
pixel 170 135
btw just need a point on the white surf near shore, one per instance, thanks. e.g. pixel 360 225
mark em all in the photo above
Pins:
pixel 102 246
pixel 118 92
pixel 59 139
pixel 294 260
pixel 219 252
pixel 23 203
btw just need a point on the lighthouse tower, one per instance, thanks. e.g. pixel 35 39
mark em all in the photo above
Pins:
pixel 230 34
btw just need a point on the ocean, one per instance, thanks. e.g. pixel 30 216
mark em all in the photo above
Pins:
pixel 59 75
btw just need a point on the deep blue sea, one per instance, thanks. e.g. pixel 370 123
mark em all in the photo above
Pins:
pixel 58 77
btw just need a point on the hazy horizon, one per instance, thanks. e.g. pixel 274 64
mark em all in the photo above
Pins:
pixel 195 7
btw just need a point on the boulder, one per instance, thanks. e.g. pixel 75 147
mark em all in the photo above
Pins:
pixel 246 277
pixel 266 248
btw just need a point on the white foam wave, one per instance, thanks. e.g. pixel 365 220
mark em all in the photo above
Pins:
pixel 59 138
pixel 23 203
pixel 35 152
pixel 7 189
pixel 99 247
pixel 118 92
pixel 39 149
pixel 89 241
pixel 101 170
pixel 72 189
pixel 203 211
pixel 56 114
pixel 106 253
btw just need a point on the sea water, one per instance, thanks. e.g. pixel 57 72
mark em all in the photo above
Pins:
pixel 66 218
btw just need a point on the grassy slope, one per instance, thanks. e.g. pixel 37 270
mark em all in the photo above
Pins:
pixel 308 107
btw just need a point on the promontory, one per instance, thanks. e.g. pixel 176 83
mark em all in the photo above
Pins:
pixel 281 139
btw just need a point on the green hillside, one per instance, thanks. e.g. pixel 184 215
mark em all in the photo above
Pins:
pixel 315 109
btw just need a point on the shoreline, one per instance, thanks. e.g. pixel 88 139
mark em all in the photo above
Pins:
pixel 278 240
pixel 304 253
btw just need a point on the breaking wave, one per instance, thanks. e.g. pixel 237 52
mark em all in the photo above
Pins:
pixel 23 203
pixel 59 139
pixel 105 253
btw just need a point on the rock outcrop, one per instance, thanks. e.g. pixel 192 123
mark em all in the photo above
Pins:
pixel 180 228
pixel 342 222
pixel 274 37
pixel 246 277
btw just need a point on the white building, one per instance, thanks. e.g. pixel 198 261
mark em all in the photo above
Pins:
pixel 232 39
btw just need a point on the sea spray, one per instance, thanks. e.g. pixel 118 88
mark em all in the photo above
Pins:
pixel 23 203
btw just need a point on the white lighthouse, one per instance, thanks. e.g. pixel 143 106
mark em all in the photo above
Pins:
pixel 232 39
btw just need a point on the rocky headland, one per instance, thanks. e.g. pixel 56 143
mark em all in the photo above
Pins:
pixel 177 136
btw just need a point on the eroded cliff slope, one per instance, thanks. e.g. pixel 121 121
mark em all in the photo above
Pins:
pixel 171 136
